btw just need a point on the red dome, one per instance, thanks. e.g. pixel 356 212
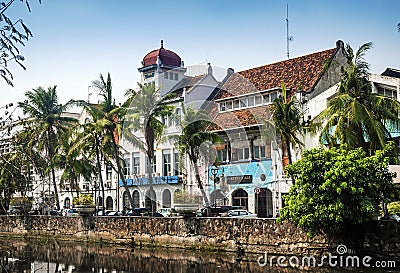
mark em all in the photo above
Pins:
pixel 167 57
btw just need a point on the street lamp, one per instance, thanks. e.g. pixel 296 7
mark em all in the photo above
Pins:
pixel 214 171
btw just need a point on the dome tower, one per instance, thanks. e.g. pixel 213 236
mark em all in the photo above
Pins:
pixel 163 67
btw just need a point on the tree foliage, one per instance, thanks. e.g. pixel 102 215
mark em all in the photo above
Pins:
pixel 13 35
pixel 192 138
pixel 143 127
pixel 337 187
pixel 47 125
pixel 356 116
pixel 286 121
pixel 394 208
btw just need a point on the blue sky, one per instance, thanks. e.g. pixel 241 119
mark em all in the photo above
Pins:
pixel 76 40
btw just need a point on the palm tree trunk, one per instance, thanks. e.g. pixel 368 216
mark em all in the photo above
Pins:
pixel 149 136
pixel 120 172
pixel 289 153
pixel 198 179
pixel 53 175
pixel 98 163
pixel 150 155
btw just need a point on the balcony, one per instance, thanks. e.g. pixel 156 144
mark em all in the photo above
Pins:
pixel 157 180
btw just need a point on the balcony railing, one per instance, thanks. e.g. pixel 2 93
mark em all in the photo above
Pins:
pixel 157 180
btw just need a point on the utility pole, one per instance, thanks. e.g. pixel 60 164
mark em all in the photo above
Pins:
pixel 288 38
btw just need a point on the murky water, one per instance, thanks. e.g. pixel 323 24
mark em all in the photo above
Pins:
pixel 52 256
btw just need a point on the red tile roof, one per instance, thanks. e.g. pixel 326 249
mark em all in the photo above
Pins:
pixel 299 73
pixel 239 118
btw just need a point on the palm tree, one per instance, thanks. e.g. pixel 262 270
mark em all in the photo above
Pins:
pixel 111 120
pixel 45 116
pixel 356 116
pixel 73 162
pixel 144 109
pixel 286 121
pixel 193 135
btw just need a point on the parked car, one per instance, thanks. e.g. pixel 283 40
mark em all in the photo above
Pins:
pixel 114 213
pixel 154 214
pixel 71 212
pixel 241 213
pixel 168 212
pixel 14 210
pixel 137 211
pixel 103 213
pixel 215 211
pixel 394 217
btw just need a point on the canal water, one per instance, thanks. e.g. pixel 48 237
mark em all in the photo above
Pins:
pixel 52 256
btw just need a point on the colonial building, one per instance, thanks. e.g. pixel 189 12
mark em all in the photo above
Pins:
pixel 165 69
pixel 250 171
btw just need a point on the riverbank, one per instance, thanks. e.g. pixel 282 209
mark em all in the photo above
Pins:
pixel 210 234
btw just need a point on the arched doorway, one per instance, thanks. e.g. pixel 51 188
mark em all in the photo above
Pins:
pixel 264 203
pixel 136 199
pixel 109 203
pixel 166 199
pixel 67 203
pixel 99 201
pixel 218 198
pixel 125 200
pixel 240 197
pixel 150 200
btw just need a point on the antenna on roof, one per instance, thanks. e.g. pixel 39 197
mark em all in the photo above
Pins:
pixel 288 38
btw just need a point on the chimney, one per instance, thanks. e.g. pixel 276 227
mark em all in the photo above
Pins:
pixel 209 69
pixel 339 44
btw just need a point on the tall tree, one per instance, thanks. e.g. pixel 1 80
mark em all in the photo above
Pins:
pixel 145 109
pixel 286 121
pixel 93 142
pixel 356 116
pixel 193 135
pixel 101 133
pixel 73 162
pixel 111 117
pixel 46 119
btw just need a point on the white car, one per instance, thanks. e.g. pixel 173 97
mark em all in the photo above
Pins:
pixel 241 213
pixel 167 212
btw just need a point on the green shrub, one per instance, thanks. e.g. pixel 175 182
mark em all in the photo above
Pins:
pixel 394 208
pixel 20 201
pixel 83 199
pixel 183 197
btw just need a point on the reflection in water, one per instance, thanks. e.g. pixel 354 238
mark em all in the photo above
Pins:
pixel 17 256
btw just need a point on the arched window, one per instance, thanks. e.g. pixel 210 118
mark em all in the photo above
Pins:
pixel 136 199
pixel 166 199
pixel 109 203
pixel 67 203
pixel 240 197
pixel 125 200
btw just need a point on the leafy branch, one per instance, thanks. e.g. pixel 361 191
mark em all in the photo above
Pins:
pixel 12 36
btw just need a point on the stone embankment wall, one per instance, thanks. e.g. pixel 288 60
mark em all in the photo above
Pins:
pixel 248 235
